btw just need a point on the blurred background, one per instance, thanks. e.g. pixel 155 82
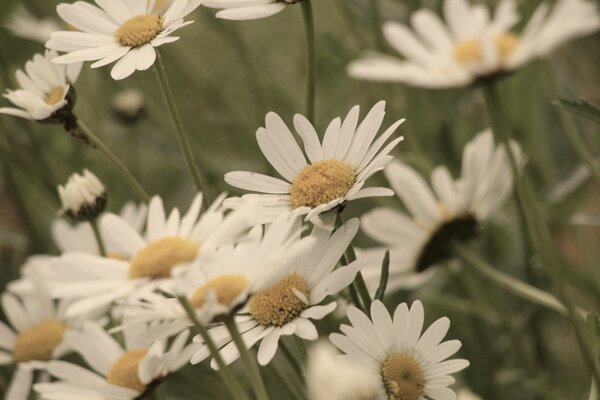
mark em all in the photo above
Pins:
pixel 227 75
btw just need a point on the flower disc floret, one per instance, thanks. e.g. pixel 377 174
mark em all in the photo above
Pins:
pixel 124 372
pixel 279 304
pixel 321 182
pixel 55 95
pixel 227 288
pixel 402 377
pixel 39 342
pixel 140 30
pixel 158 258
pixel 470 51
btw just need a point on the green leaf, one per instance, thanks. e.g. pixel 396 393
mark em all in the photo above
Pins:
pixel 581 108
pixel 385 272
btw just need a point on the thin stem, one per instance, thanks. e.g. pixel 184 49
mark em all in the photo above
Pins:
pixel 570 128
pixel 182 138
pixel 257 382
pixel 376 24
pixel 230 380
pixel 96 229
pixel 311 62
pixel 283 378
pixel 301 348
pixel 292 359
pixel 538 230
pixel 125 173
pixel 513 285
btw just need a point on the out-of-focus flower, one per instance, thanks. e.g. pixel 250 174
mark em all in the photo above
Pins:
pixel 118 30
pixel 409 363
pixel 25 25
pixel 470 45
pixel 247 9
pixel 116 372
pixel 129 104
pixel 455 212
pixel 330 378
pixel 83 197
pixel 335 174
pixel 466 394
pixel 45 89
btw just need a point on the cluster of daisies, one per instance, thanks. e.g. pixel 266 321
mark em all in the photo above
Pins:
pixel 128 291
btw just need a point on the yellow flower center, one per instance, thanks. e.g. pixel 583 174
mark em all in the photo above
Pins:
pixel 279 305
pixel 38 343
pixel 402 377
pixel 321 183
pixel 138 31
pixel 158 258
pixel 55 95
pixel 226 287
pixel 470 51
pixel 124 372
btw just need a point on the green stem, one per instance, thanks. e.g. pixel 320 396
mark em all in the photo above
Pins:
pixel 571 130
pixel 301 348
pixel 538 230
pixel 292 359
pixel 376 24
pixel 96 229
pixel 182 138
pixel 513 285
pixel 125 173
pixel 311 62
pixel 230 381
pixel 257 382
pixel 283 378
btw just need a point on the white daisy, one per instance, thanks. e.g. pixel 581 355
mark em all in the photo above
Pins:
pixel 422 238
pixel 408 364
pixel 118 373
pixel 248 9
pixel 37 335
pixel 336 172
pixel 286 307
pixel 45 89
pixel 470 45
pixel 83 197
pixel 123 30
pixel 144 261
pixel 25 25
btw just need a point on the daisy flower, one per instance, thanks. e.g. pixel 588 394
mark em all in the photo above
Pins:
pixel 144 261
pixel 123 30
pixel 83 197
pixel 36 335
pixel 286 307
pixel 248 9
pixel 117 373
pixel 470 45
pixel 336 170
pixel 45 89
pixel 407 363
pixel 422 238
pixel 25 25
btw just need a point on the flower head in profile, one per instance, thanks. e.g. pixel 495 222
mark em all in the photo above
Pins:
pixel 248 9
pixel 118 30
pixel 471 45
pixel 407 363
pixel 115 372
pixel 83 197
pixel 336 170
pixel 287 306
pixel 46 89
pixel 423 237
pixel 25 25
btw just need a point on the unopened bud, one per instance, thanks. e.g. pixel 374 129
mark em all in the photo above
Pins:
pixel 83 197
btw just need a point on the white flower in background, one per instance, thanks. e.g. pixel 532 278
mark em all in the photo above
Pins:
pixel 127 31
pixel 129 104
pixel 335 174
pixel 37 335
pixel 286 307
pixel 422 238
pixel 330 378
pixel 247 9
pixel 83 197
pixel 25 25
pixel 471 45
pixel 143 262
pixel 116 373
pixel 408 363
pixel 44 88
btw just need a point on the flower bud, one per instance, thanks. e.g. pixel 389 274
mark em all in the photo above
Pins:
pixel 128 105
pixel 83 197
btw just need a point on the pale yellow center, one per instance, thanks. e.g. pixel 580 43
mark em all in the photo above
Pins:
pixel 226 288
pixel 321 183
pixel 158 258
pixel 55 95
pixel 138 31
pixel 160 5
pixel 402 377
pixel 39 342
pixel 279 305
pixel 124 372
pixel 470 51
